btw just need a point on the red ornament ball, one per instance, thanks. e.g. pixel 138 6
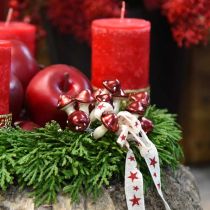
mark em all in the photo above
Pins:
pixel 147 125
pixel 78 121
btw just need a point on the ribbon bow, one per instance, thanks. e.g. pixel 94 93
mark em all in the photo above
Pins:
pixel 130 129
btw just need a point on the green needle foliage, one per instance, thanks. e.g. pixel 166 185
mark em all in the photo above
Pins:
pixel 50 160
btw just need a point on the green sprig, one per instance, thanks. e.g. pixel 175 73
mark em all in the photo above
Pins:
pixel 50 160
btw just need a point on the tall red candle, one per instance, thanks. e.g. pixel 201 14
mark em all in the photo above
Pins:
pixel 21 31
pixel 5 67
pixel 120 50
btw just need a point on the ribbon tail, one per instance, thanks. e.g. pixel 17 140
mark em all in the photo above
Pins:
pixel 131 129
pixel 153 164
pixel 122 139
pixel 133 184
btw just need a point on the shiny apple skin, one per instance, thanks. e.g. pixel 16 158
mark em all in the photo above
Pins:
pixel 23 65
pixel 27 125
pixel 43 92
pixel 16 97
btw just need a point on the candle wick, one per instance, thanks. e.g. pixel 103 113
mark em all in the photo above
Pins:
pixel 122 16
pixel 9 16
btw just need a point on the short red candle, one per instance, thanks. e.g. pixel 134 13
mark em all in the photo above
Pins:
pixel 120 50
pixel 5 67
pixel 21 31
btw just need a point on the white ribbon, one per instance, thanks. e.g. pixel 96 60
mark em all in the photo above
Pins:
pixel 134 191
pixel 130 129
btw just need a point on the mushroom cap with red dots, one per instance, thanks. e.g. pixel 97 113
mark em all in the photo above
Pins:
pixel 110 121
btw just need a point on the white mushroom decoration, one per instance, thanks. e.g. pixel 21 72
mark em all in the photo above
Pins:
pixel 114 87
pixel 100 98
pixel 66 103
pixel 84 99
pixel 109 122
pixel 105 105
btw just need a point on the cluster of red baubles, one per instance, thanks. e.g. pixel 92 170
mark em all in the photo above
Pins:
pixel 81 107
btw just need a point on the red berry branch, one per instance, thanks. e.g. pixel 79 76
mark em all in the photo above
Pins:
pixel 189 19
pixel 75 16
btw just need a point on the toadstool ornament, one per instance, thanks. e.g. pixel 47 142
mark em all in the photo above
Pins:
pixel 136 108
pixel 85 99
pixel 99 91
pixel 109 122
pixel 117 97
pixel 99 109
pixel 147 125
pixel 78 121
pixel 112 85
pixel 104 98
pixel 66 103
pixel 142 97
pixel 100 98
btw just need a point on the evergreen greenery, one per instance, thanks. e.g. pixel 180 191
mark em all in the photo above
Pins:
pixel 50 160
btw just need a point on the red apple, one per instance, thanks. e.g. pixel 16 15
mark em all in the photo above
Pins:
pixel 16 97
pixel 26 125
pixel 23 66
pixel 43 92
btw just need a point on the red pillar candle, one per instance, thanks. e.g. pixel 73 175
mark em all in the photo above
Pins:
pixel 120 50
pixel 21 31
pixel 5 67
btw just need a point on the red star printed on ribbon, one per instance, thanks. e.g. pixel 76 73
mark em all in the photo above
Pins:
pixel 155 174
pixel 153 162
pixel 131 158
pixel 123 138
pixel 135 201
pixel 136 188
pixel 101 106
pixel 133 176
pixel 136 124
pixel 158 185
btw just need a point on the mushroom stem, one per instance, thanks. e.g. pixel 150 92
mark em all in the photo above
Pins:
pixel 84 107
pixel 92 116
pixel 68 109
pixel 116 103
pixel 99 132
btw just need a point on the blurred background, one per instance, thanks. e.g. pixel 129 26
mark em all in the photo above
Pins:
pixel 180 57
